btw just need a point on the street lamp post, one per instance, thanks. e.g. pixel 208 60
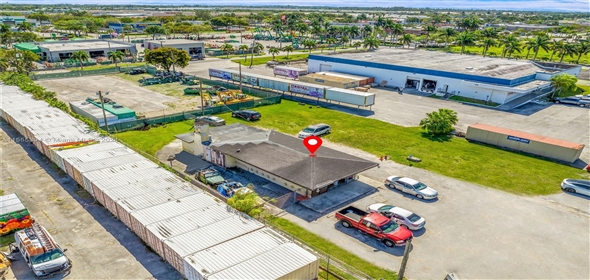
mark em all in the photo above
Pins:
pixel 99 93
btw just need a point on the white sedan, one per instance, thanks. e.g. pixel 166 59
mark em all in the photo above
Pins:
pixel 411 186
pixel 399 215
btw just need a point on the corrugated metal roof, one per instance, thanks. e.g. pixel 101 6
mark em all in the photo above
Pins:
pixel 235 251
pixel 123 179
pixel 65 135
pixel 173 208
pixel 143 186
pixel 212 234
pixel 273 264
pixel 128 168
pixel 190 221
pixel 107 162
pixel 94 152
pixel 530 136
pixel 155 197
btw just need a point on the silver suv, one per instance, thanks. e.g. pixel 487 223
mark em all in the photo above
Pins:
pixel 316 129
pixel 574 100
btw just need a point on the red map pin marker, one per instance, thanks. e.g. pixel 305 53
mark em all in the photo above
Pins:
pixel 312 143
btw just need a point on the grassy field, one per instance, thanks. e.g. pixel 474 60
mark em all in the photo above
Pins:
pixel 333 249
pixel 582 89
pixel 265 59
pixel 171 89
pixel 453 157
pixel 497 51
pixel 97 67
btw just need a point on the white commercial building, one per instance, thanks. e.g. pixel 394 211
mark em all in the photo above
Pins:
pixel 62 50
pixel 193 48
pixel 490 79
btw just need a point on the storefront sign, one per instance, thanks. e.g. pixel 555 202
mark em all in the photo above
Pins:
pixel 518 139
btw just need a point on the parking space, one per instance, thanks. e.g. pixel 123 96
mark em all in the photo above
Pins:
pixel 476 232
pixel 100 246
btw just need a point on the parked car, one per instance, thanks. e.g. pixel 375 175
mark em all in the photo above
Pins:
pixel 316 130
pixel 411 186
pixel 574 100
pixel 40 251
pixel 210 177
pixel 211 120
pixel 248 115
pixel 399 215
pixel 375 225
pixel 576 186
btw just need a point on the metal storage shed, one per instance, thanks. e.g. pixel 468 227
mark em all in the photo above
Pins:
pixel 288 261
pixel 227 254
pixel 178 247
pixel 159 231
pixel 526 142
pixel 126 167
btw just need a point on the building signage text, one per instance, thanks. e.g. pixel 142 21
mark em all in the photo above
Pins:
pixel 518 139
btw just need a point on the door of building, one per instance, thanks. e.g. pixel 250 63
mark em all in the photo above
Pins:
pixel 325 67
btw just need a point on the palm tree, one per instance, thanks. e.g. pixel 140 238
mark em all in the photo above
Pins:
pixel 540 42
pixel 465 39
pixel 555 47
pixel 487 43
pixel 25 26
pixel 507 41
pixel 529 45
pixel 288 49
pixel 581 49
pixel 353 32
pixel 227 48
pixel 561 82
pixel 371 43
pixel 396 30
pixel 244 48
pixel 407 39
pixel 357 44
pixel 567 49
pixel 310 44
pixel 448 33
pixel 82 57
pixel 367 30
pixel 429 29
pixel 512 47
pixel 440 122
pixel 344 40
pixel 274 51
pixel 331 41
pixel 115 55
pixel 302 28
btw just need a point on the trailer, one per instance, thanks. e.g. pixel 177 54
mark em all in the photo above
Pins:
pixel 13 214
pixel 350 97
pixel 290 72
pixel 308 89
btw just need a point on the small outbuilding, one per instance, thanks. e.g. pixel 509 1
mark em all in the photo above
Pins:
pixel 525 142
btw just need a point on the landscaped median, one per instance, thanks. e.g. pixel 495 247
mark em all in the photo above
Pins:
pixel 453 157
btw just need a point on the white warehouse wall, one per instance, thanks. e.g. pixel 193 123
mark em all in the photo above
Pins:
pixel 398 79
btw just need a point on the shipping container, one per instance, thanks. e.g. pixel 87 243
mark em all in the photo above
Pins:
pixel 147 194
pixel 308 89
pixel 286 262
pixel 273 83
pixel 203 263
pixel 159 231
pixel 350 96
pixel 179 247
pixel 526 142
pixel 362 80
pixel 96 175
pixel 118 180
pixel 170 209
pixel 94 152
pixel 290 72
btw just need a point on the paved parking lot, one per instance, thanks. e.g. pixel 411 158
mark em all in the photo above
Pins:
pixel 100 246
pixel 476 232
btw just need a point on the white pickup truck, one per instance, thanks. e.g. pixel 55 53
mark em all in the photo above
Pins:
pixel 41 252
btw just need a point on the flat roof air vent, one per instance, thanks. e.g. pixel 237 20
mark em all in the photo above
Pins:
pixel 368 56
pixel 469 68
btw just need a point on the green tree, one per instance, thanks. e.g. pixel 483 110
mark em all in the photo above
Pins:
pixel 115 56
pixel 511 47
pixel 371 43
pixel 396 29
pixel 273 51
pixel 227 48
pixel 581 49
pixel 538 43
pixel 165 57
pixel 310 44
pixel 439 122
pixel 344 40
pixel 332 41
pixel 448 33
pixel 244 48
pixel 407 39
pixel 127 29
pixel 465 39
pixel 247 202
pixel 429 29
pixel 22 62
pixel 288 49
pixel 563 82
pixel 82 57
pixel 487 43
pixel 566 49
pixel 26 26
pixel 154 30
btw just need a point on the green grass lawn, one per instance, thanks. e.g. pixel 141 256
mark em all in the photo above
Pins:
pixel 473 100
pixel 497 51
pixel 97 67
pixel 333 249
pixel 265 59
pixel 453 157
pixel 582 89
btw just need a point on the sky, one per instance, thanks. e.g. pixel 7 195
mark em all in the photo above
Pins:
pixel 540 5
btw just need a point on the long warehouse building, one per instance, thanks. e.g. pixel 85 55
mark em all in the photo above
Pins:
pixel 199 235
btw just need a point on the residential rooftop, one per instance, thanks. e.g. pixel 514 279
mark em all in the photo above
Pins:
pixel 82 45
pixel 447 62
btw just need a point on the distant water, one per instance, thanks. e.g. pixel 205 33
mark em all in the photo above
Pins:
pixel 537 5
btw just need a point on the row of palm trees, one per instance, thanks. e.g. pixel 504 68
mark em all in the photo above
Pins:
pixel 82 57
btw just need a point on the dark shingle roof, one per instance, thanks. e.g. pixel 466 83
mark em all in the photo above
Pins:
pixel 287 158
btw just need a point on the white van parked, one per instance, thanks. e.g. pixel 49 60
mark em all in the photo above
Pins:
pixel 41 252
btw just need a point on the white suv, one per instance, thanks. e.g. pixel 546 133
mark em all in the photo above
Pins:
pixel 316 129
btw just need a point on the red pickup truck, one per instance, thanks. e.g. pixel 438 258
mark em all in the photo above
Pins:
pixel 375 225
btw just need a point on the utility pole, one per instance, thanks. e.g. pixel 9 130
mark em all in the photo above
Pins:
pixel 202 107
pixel 402 269
pixel 99 93
pixel 240 67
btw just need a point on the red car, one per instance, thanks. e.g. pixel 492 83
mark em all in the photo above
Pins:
pixel 375 225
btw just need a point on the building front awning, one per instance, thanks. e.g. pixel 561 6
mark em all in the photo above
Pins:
pixel 28 47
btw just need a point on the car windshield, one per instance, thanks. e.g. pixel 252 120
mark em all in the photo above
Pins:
pixel 47 256
pixel 389 227
pixel 309 130
pixel 414 218
pixel 419 186
pixel 385 208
